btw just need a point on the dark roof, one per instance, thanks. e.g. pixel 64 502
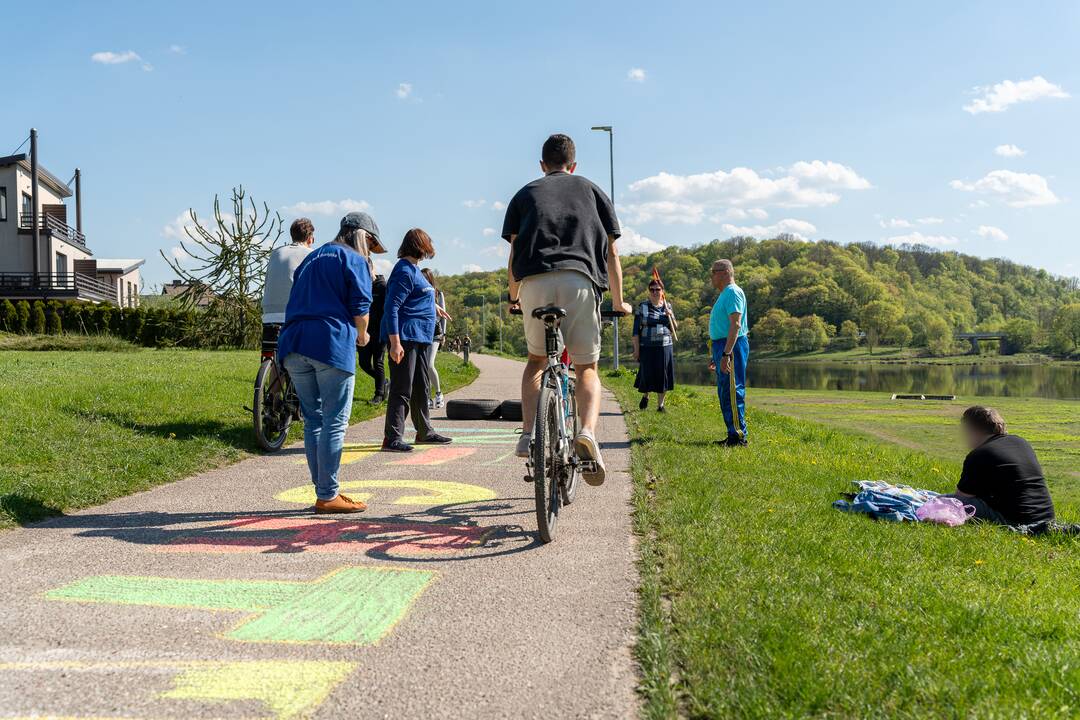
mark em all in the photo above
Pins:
pixel 47 177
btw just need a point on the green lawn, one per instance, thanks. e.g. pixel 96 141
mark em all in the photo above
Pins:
pixel 81 428
pixel 759 600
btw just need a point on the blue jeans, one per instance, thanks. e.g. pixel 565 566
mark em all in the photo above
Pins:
pixel 325 394
pixel 740 353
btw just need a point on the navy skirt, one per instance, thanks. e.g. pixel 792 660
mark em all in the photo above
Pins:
pixel 656 369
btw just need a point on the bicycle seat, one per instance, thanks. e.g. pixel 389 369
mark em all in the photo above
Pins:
pixel 549 311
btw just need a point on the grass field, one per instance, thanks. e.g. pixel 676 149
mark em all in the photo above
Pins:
pixel 759 600
pixel 81 428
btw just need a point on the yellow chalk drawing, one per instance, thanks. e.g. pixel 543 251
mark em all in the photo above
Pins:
pixel 352 452
pixel 288 688
pixel 440 492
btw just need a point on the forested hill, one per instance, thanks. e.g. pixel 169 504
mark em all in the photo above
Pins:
pixel 806 295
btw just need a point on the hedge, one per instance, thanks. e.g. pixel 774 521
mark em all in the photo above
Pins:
pixel 150 327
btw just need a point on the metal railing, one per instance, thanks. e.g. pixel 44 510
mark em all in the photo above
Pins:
pixel 48 285
pixel 53 225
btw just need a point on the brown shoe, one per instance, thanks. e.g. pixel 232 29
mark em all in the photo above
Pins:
pixel 340 504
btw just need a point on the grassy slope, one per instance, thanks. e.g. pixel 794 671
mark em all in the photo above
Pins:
pixel 760 600
pixel 82 428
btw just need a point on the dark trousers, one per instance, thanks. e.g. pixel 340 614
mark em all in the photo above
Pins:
pixel 371 358
pixel 409 392
pixel 983 511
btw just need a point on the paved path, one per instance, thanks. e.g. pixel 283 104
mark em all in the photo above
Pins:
pixel 222 596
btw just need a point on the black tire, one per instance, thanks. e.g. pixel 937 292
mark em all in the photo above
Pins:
pixel 271 416
pixel 472 409
pixel 573 426
pixel 546 465
pixel 510 410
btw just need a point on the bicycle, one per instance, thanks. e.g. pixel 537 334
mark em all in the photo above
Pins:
pixel 276 404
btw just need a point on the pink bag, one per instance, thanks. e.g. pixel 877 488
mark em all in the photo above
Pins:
pixel 944 510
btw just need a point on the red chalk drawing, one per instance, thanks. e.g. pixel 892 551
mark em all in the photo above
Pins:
pixel 294 535
pixel 436 456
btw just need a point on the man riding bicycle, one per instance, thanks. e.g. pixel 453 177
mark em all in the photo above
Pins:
pixel 562 230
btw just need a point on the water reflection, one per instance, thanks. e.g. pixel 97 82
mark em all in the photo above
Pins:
pixel 1046 381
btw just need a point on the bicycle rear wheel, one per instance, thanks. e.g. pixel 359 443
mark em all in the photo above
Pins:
pixel 546 463
pixel 271 414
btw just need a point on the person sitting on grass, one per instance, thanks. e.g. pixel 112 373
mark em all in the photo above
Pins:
pixel 1002 478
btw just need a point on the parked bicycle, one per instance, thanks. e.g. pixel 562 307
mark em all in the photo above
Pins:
pixel 275 405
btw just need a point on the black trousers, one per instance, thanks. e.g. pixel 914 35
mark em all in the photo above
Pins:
pixel 409 391
pixel 371 360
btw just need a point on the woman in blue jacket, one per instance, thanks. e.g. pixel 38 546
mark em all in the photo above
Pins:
pixel 408 326
pixel 325 320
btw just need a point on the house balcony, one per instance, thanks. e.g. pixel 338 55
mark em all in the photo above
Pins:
pixel 55 286
pixel 54 226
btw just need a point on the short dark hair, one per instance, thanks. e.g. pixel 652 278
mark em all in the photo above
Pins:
pixel 301 230
pixel 417 244
pixel 983 418
pixel 558 152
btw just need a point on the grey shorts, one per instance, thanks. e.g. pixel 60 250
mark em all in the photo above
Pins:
pixel 575 293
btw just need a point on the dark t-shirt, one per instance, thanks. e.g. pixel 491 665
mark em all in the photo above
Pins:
pixel 562 222
pixel 1005 473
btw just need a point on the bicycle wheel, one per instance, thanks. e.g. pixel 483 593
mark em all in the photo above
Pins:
pixel 573 425
pixel 546 463
pixel 272 415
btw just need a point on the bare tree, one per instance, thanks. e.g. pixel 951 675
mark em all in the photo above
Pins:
pixel 223 264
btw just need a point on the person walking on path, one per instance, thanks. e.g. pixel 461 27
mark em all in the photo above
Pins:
pixel 562 231
pixel 728 328
pixel 279 277
pixel 437 340
pixel 325 320
pixel 408 325
pixel 653 341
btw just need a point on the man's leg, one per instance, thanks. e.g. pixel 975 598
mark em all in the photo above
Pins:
pixel 530 391
pixel 740 357
pixel 588 391
pixel 723 388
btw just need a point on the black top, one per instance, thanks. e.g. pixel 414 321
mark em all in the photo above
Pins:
pixel 1005 473
pixel 562 222
pixel 378 301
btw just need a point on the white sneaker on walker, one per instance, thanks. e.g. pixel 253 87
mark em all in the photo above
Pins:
pixel 523 445
pixel 586 448
pixel 438 400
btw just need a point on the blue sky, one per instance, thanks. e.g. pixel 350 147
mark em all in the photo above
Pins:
pixel 953 124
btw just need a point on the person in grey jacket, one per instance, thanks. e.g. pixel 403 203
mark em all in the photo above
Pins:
pixel 280 269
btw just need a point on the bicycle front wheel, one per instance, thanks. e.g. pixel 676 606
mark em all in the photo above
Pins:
pixel 546 464
pixel 271 412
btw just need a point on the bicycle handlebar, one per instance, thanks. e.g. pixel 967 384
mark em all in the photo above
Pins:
pixel 611 314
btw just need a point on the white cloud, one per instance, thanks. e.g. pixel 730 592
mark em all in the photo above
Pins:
pixel 178 50
pixel 636 75
pixel 1009 151
pixel 929 220
pixel 471 268
pixel 473 204
pixel 992 233
pixel 632 242
pixel 404 91
pixel 383 266
pixel 999 97
pixel 917 238
pixel 1012 188
pixel 326 207
pixel 788 226
pixel 488 232
pixel 894 223
pixel 691 198
pixel 740 214
pixel 498 205
pixel 107 57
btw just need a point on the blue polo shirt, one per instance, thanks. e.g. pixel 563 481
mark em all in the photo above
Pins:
pixel 410 305
pixel 732 299
pixel 330 287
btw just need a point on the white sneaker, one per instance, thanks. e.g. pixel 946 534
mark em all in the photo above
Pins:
pixel 586 448
pixel 523 445
pixel 438 400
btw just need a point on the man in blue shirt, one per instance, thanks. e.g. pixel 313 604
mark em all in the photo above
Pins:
pixel 728 328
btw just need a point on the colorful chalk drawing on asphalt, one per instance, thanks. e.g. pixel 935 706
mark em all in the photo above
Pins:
pixel 351 605
pixel 294 535
pixel 438 492
pixel 287 688
pixel 435 456
pixel 352 452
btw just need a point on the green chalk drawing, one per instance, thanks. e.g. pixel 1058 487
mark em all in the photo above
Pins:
pixel 352 605
pixel 289 689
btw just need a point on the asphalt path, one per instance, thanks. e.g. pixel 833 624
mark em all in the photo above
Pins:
pixel 223 596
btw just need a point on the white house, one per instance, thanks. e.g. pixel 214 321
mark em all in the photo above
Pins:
pixel 53 261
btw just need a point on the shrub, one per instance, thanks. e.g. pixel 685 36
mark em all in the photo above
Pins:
pixel 939 337
pixel 53 323
pixel 22 317
pixel 104 319
pixel 37 319
pixel 8 316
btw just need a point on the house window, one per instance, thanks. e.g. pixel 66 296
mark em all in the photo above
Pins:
pixel 61 264
pixel 3 204
pixel 27 203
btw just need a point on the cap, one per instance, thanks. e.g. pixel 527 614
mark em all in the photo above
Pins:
pixel 363 221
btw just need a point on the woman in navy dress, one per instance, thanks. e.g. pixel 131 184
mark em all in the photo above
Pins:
pixel 653 347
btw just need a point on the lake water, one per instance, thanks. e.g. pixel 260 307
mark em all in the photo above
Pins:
pixel 1060 382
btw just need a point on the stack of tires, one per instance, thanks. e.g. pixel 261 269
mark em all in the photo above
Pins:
pixel 483 409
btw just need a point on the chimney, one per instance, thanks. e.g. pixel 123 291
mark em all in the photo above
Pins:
pixel 34 200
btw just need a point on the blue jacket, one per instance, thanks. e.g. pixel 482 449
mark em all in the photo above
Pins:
pixel 330 287
pixel 410 305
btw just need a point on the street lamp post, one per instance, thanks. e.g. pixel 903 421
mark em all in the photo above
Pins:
pixel 611 164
